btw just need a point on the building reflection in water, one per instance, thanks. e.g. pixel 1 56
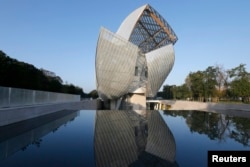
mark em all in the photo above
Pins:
pixel 133 138
pixel 18 136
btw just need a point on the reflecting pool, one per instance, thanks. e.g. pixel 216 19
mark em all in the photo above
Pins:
pixel 122 138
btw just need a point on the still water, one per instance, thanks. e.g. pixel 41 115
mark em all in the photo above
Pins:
pixel 122 138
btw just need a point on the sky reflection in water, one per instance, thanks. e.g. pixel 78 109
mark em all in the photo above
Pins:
pixel 196 132
pixel 74 138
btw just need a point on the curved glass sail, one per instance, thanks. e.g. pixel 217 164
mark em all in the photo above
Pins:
pixel 137 58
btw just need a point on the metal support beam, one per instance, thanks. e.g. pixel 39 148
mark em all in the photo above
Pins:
pixel 158 21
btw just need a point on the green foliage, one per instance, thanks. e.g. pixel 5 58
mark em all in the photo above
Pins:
pixel 93 94
pixel 176 92
pixel 213 82
pixel 167 92
pixel 239 72
pixel 14 73
pixel 209 81
pixel 240 87
pixel 202 83
pixel 196 83
pixel 183 92
pixel 240 84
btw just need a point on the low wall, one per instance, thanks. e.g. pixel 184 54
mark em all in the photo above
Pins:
pixel 13 97
pixel 17 114
pixel 207 106
pixel 239 110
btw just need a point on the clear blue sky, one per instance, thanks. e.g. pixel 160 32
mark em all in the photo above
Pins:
pixel 61 35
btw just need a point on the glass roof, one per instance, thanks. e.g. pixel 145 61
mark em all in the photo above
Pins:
pixel 152 31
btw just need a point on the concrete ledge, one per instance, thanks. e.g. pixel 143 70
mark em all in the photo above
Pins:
pixel 17 114
pixel 208 106
pixel 241 110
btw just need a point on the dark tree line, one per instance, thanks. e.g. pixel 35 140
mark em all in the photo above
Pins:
pixel 212 84
pixel 14 73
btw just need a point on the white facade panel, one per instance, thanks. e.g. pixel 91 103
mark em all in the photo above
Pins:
pixel 160 63
pixel 115 65
pixel 129 23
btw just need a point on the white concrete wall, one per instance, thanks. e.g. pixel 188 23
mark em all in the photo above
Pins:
pixel 240 110
pixel 208 106
pixel 15 97
pixel 138 101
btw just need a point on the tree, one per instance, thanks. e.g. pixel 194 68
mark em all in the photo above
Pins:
pixel 196 83
pixel 184 92
pixel 93 94
pixel 202 84
pixel 168 92
pixel 14 73
pixel 213 82
pixel 240 84
pixel 239 72
pixel 209 79
pixel 221 81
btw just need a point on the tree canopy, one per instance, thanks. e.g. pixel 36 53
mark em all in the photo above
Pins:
pixel 14 73
pixel 212 84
